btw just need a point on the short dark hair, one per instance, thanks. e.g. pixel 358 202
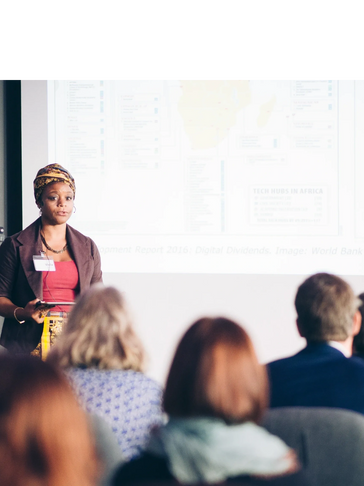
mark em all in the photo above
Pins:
pixel 325 306
pixel 215 372
pixel 358 344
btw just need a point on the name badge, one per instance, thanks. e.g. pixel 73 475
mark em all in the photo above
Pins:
pixel 43 264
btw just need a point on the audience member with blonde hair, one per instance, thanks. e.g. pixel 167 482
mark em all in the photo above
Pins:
pixel 216 393
pixel 44 433
pixel 104 360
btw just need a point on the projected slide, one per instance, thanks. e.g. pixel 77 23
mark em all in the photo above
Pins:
pixel 215 176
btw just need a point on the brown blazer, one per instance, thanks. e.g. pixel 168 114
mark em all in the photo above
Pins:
pixel 20 283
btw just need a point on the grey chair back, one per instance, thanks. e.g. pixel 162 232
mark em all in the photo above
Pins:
pixel 329 442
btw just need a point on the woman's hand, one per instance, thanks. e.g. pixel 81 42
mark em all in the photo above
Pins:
pixel 293 466
pixel 28 313
pixel 31 311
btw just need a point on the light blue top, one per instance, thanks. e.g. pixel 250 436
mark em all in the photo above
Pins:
pixel 128 400
pixel 207 450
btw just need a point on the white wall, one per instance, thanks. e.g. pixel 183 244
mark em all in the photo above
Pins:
pixel 165 305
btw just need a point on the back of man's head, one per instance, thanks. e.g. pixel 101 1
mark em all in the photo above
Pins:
pixel 325 306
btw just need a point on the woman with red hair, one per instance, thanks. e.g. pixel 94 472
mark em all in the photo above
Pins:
pixel 215 395
pixel 44 434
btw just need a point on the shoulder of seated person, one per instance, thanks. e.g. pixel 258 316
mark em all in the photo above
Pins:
pixel 146 468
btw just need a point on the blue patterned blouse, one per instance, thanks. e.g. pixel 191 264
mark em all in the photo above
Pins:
pixel 128 400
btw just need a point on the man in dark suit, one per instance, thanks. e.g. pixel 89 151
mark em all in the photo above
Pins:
pixel 323 374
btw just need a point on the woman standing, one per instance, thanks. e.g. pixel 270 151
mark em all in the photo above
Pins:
pixel 76 261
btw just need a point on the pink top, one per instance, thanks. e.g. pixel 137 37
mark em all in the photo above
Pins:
pixel 61 285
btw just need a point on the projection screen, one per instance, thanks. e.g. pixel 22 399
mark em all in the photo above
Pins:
pixel 207 197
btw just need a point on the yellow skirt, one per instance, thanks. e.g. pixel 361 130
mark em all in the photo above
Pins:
pixel 52 328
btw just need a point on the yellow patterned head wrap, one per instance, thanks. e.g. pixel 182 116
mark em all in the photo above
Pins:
pixel 49 174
